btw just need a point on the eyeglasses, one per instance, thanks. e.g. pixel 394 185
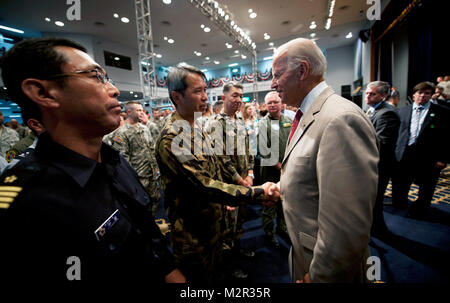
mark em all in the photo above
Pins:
pixel 100 75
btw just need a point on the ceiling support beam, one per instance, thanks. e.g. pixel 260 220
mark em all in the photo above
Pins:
pixel 221 18
pixel 147 69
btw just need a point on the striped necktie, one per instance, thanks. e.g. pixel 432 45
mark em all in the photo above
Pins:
pixel 298 115
pixel 415 125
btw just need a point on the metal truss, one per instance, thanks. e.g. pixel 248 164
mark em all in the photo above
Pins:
pixel 221 18
pixel 147 68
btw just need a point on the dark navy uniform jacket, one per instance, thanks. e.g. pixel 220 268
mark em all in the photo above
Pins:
pixel 56 203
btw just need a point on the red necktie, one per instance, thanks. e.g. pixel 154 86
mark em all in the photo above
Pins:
pixel 298 115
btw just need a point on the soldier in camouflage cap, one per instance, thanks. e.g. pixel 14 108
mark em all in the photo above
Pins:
pixel 195 193
pixel 134 141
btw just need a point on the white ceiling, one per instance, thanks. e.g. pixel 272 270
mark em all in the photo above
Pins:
pixel 281 19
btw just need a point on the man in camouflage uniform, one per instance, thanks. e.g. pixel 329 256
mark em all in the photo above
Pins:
pixel 194 191
pixel 108 139
pixel 134 141
pixel 157 119
pixel 8 137
pixel 23 131
pixel 154 130
pixel 236 160
pixel 276 126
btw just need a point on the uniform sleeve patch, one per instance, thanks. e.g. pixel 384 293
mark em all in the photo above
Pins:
pixel 117 139
pixel 10 155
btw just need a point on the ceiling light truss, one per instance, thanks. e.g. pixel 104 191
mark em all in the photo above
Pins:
pixel 215 13
pixel 147 70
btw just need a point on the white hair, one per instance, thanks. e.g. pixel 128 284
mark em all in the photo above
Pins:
pixel 270 94
pixel 302 49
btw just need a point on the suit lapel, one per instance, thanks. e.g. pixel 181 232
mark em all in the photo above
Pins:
pixel 427 119
pixel 308 119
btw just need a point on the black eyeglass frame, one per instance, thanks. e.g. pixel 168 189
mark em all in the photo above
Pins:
pixel 101 76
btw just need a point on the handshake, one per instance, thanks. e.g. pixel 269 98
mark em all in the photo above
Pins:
pixel 271 194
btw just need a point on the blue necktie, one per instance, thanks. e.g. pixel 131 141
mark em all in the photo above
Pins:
pixel 415 125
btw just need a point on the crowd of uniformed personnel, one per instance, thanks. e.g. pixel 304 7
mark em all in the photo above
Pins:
pixel 69 183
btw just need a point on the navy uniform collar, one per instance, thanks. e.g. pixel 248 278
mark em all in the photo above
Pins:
pixel 77 166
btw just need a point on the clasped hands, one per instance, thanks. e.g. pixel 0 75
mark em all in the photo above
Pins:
pixel 271 194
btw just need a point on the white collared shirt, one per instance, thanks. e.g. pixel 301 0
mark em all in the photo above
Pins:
pixel 311 96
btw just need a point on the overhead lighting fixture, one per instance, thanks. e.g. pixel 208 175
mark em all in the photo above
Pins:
pixel 124 19
pixel 171 41
pixel 328 25
pixel 266 36
pixel 232 64
pixel 165 38
pixel 216 62
pixel 48 19
pixel 207 29
pixel 207 58
pixel 228 45
pixel 313 35
pixel 116 58
pixel 268 58
pixel 313 25
pixel 253 15
pixel 349 35
pixel 131 93
pixel 158 55
pixel 198 54
pixel 236 51
pixel 271 44
pixel 204 70
pixel 12 29
pixel 235 70
pixel 227 17
pixel 202 26
pixel 250 11
pixel 232 22
pixel 116 15
pixel 331 8
pixel 7 39
pixel 167 2
pixel 59 23
pixel 243 56
pixel 135 96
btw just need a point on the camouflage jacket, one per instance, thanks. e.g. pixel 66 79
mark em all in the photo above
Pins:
pixel 231 141
pixel 194 191
pixel 20 147
pixel 8 137
pixel 135 143
pixel 154 130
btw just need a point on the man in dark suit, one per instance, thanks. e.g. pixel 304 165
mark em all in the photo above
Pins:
pixel 422 151
pixel 386 123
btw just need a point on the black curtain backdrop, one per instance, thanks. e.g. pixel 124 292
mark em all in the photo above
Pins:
pixel 427 36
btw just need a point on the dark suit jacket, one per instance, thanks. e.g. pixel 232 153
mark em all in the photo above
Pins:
pixel 386 123
pixel 432 142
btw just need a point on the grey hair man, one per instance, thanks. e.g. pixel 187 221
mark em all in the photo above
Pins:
pixel 328 173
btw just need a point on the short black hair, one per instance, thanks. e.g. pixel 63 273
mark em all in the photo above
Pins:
pixel 32 58
pixel 176 78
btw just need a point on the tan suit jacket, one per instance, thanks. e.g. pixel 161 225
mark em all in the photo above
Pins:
pixel 329 184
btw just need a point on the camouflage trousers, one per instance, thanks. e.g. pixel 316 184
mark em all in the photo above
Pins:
pixel 268 214
pixel 153 189
pixel 234 220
